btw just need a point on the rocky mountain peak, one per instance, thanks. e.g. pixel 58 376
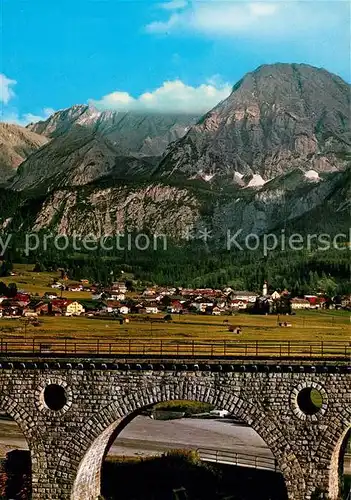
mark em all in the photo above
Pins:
pixel 62 121
pixel 273 154
pixel 277 118
pixel 138 134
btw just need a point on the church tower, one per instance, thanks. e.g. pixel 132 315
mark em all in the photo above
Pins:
pixel 265 289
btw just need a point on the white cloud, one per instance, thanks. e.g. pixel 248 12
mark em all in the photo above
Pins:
pixel 165 26
pixel 284 19
pixel 172 97
pixel 173 5
pixel 13 116
pixel 9 114
pixel 262 9
pixel 6 92
pixel 30 118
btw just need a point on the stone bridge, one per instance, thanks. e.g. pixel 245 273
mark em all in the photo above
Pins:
pixel 70 410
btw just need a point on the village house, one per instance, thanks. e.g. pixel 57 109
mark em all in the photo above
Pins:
pixel 151 309
pixel 11 309
pixel 315 301
pixel 114 295
pixel 119 287
pixel 163 291
pixel 124 310
pixel 244 296
pixel 40 307
pixel 346 301
pixel 203 291
pixel 22 298
pixel 221 304
pixel 149 292
pixel 65 307
pixel 297 303
pixel 57 306
pixel 76 288
pixel 158 298
pixel 216 311
pixel 29 313
pixel 322 302
pixel 107 295
pixel 175 307
pixel 201 306
pixel 137 308
pixel 74 309
pixel 263 305
pixel 238 304
pixel 57 285
pixel 111 306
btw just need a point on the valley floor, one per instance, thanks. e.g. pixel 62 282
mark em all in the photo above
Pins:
pixel 306 326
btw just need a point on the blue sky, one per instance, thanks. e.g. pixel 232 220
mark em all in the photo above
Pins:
pixel 127 54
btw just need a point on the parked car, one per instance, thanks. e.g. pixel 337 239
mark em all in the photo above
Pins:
pixel 219 413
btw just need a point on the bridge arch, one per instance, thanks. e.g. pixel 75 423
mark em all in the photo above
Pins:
pixel 18 413
pixel 26 424
pixel 90 445
pixel 336 461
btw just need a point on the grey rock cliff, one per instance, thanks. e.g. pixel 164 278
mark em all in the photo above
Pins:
pixel 133 133
pixel 278 118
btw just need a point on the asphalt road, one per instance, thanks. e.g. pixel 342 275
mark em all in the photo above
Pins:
pixel 145 436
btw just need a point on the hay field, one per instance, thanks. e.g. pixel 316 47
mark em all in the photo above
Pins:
pixel 37 283
pixel 307 326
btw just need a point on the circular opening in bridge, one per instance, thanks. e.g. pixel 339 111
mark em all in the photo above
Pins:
pixel 310 400
pixel 55 397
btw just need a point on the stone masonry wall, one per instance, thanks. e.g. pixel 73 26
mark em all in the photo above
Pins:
pixel 68 446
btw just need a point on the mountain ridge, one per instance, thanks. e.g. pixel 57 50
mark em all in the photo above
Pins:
pixel 73 159
pixel 274 152
pixel 134 133
pixel 278 117
pixel 16 144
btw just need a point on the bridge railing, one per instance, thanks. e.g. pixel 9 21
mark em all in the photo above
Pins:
pixel 280 349
pixel 239 459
